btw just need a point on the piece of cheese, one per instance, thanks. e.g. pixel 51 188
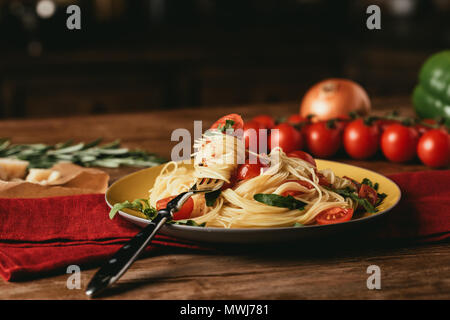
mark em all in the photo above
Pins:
pixel 12 169
pixel 43 176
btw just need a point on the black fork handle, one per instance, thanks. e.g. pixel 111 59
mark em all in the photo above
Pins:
pixel 116 266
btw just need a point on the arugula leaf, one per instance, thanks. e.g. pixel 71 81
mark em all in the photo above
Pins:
pixel 211 197
pixel 350 193
pixel 370 183
pixel 375 186
pixel 141 205
pixel 279 201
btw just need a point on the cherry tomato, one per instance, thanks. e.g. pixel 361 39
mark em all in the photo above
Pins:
pixel 433 148
pixel 334 215
pixel 302 155
pixel 360 140
pixel 286 137
pixel 322 179
pixel 368 193
pixel 342 123
pixel 249 170
pixel 323 141
pixel 291 193
pixel 233 180
pixel 238 122
pixel 294 193
pixel 266 121
pixel 295 119
pixel 384 123
pixel 399 143
pixel 183 213
pixel 251 131
pixel 422 128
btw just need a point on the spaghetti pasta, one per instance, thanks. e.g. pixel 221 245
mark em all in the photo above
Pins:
pixel 217 156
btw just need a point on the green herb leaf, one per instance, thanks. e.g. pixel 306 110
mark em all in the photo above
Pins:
pixel 279 201
pixel 350 193
pixel 211 197
pixel 227 126
pixel 296 225
pixel 88 155
pixel 141 205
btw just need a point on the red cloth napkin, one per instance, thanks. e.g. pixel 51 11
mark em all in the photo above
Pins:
pixel 423 213
pixel 39 236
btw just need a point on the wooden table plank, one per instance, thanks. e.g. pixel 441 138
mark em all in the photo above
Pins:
pixel 303 271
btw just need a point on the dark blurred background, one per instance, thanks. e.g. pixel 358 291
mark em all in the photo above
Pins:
pixel 159 54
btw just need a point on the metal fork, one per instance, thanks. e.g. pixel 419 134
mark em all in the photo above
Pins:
pixel 116 266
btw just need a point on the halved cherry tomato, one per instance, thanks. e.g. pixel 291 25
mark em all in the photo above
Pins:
pixel 238 122
pixel 291 193
pixel 368 193
pixel 183 213
pixel 294 193
pixel 323 180
pixel 266 121
pixel 233 180
pixel 334 215
pixel 302 155
pixel 249 170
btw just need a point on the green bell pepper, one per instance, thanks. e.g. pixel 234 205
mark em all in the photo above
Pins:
pixel 431 97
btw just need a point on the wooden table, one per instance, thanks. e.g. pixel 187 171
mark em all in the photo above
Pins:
pixel 304 271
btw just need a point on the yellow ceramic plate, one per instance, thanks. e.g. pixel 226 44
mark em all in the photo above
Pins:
pixel 136 186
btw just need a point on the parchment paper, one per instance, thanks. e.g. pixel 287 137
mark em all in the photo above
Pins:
pixel 73 180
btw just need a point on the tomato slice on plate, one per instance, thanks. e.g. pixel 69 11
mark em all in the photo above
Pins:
pixel 294 193
pixel 334 215
pixel 368 193
pixel 237 122
pixel 183 213
pixel 249 170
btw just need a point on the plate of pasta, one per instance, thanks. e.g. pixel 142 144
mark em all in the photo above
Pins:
pixel 259 197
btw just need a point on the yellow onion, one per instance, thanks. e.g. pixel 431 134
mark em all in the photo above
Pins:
pixel 334 98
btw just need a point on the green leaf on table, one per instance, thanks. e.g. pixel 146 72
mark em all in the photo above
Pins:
pixel 91 154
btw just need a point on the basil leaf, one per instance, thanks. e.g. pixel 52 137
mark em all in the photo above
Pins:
pixel 296 225
pixel 211 197
pixel 276 200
